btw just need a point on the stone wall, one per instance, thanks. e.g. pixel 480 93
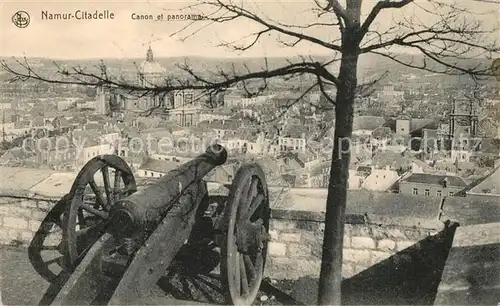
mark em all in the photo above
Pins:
pixel 297 237
pixel 20 218
pixel 383 255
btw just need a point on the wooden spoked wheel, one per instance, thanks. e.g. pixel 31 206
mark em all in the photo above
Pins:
pixel 101 182
pixel 244 247
pixel 45 252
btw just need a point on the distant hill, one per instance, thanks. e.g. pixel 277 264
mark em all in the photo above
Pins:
pixel 369 65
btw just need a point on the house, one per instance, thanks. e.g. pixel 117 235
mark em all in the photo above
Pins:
pixel 419 166
pixel 488 147
pixel 380 179
pixel 400 162
pixel 487 187
pixel 290 160
pixel 90 144
pixel 422 184
pixel 221 127
pixel 293 138
pixel 55 152
pixel 223 174
pixel 365 125
pixel 21 128
pixel 356 179
pixel 19 156
pixel 410 126
pixel 360 154
pixel 381 137
pixel 156 168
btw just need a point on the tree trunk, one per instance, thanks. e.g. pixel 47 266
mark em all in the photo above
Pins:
pixel 331 263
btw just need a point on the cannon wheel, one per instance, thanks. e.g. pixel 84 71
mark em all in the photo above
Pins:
pixel 85 220
pixel 49 228
pixel 244 248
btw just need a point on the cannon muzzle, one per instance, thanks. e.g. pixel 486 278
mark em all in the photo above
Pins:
pixel 143 210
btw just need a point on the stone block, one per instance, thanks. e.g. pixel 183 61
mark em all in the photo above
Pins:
pixel 26 236
pixel 404 244
pixel 347 241
pixel 45 205
pixel 23 212
pixel 290 237
pixel 274 235
pixel 348 270
pixel 415 234
pixel 363 243
pixel 14 234
pixel 4 210
pixel 54 238
pixel 373 231
pixel 362 257
pixel 283 224
pixel 395 232
pixel 277 249
pixel 291 268
pixel 386 245
pixel 316 249
pixel 4 236
pixel 34 225
pixel 13 222
pixel 299 250
pixel 361 231
pixel 28 203
pixel 377 257
pixel 312 226
pixel 348 228
pixel 38 215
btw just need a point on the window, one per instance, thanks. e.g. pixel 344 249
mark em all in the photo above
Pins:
pixel 438 193
pixel 188 98
pixel 450 193
pixel 152 174
pixel 427 192
pixel 415 191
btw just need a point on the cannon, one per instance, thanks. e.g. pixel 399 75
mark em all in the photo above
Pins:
pixel 113 242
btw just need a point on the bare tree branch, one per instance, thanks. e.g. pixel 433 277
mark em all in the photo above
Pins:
pixel 383 4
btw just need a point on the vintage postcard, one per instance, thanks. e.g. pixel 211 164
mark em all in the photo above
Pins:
pixel 250 152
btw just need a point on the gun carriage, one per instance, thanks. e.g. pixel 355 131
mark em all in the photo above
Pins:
pixel 115 242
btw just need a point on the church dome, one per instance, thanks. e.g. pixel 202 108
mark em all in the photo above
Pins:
pixel 150 66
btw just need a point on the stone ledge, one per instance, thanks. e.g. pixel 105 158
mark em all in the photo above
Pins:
pixel 315 216
pixel 27 194
pixel 359 219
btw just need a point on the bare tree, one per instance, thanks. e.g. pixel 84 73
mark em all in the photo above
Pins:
pixel 442 33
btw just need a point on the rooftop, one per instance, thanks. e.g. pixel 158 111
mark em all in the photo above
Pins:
pixel 432 179
pixel 50 184
pixel 162 166
pixel 367 123
pixel 489 185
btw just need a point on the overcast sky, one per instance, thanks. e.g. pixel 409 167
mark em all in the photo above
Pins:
pixel 123 37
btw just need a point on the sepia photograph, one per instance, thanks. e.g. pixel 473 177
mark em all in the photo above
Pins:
pixel 250 152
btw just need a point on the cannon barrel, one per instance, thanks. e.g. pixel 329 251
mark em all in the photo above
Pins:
pixel 143 210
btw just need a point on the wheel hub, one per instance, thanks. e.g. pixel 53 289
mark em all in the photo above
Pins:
pixel 250 237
